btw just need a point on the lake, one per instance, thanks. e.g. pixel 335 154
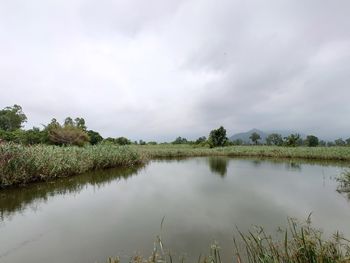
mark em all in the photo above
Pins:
pixel 118 212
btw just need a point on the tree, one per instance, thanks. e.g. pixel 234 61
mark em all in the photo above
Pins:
pixel 12 118
pixel 95 137
pixel 322 143
pixel 348 142
pixel 33 136
pixel 237 142
pixel 274 139
pixel 312 141
pixel 122 141
pixel 201 139
pixel 339 142
pixel 68 122
pixel 180 140
pixel 255 137
pixel 68 135
pixel 217 138
pixel 80 123
pixel 292 140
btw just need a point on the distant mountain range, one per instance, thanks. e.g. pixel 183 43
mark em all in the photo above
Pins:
pixel 244 136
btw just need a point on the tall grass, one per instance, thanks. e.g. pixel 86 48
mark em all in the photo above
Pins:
pixel 298 243
pixel 23 164
pixel 312 153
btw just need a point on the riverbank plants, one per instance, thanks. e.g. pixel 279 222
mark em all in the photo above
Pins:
pixel 23 164
pixel 310 153
pixel 297 243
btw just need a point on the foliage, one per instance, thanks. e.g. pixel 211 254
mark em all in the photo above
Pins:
pixel 348 142
pixel 339 142
pixel 94 137
pixel 298 243
pixel 68 135
pixel 12 118
pixel 255 137
pixel 185 150
pixel 237 142
pixel 180 140
pixel 311 141
pixel 292 140
pixel 274 139
pixel 141 142
pixel 201 140
pixel 71 133
pixel 122 141
pixel 22 164
pixel 217 138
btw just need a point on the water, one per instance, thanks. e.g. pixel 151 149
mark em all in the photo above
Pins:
pixel 118 212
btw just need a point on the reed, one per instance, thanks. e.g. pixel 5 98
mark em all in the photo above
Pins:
pixel 23 164
pixel 298 243
pixel 310 153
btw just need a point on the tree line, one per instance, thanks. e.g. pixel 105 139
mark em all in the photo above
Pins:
pixel 75 132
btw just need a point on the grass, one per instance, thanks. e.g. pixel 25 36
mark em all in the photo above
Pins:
pixel 297 243
pixel 24 164
pixel 311 153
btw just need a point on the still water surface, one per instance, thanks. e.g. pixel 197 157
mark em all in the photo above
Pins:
pixel 118 212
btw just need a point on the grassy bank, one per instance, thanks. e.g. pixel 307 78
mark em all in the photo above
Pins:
pixel 297 243
pixel 314 153
pixel 23 164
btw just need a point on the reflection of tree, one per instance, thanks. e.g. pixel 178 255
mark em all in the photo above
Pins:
pixel 218 165
pixel 293 166
pixel 344 184
pixel 17 199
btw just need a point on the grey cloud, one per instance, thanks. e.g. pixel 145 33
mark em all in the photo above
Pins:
pixel 160 69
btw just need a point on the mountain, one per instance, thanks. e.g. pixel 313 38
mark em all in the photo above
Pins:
pixel 244 136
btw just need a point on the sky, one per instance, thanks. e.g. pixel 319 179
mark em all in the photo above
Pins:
pixel 159 69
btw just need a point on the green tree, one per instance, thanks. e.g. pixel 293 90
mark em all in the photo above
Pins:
pixel 255 137
pixel 68 122
pixel 274 139
pixel 201 140
pixel 312 141
pixel 292 140
pixel 217 138
pixel 180 140
pixel 122 141
pixel 33 136
pixel 339 142
pixel 348 142
pixel 80 123
pixel 68 135
pixel 12 118
pixel 95 137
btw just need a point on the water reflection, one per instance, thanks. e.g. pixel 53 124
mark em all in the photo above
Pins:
pixel 17 199
pixel 104 215
pixel 218 165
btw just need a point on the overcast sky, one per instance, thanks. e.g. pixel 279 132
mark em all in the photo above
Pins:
pixel 157 69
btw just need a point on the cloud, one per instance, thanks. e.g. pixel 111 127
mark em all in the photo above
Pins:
pixel 160 69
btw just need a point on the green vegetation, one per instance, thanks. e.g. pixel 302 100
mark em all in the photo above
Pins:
pixel 298 243
pixel 21 164
pixel 314 153
pixel 255 137
pixel 217 138
pixel 12 118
